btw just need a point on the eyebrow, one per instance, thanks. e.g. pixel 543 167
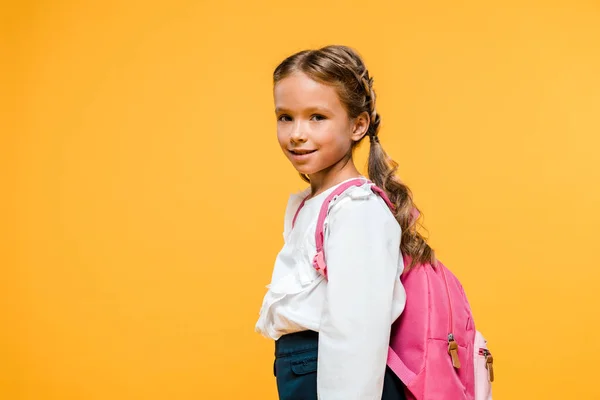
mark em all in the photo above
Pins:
pixel 308 110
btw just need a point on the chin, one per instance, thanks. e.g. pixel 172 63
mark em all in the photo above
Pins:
pixel 303 168
pixel 305 171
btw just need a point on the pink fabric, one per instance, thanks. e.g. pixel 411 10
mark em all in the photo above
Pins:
pixel 436 307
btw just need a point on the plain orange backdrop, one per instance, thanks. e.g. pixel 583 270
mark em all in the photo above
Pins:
pixel 143 189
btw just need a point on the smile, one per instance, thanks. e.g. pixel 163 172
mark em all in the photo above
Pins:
pixel 301 152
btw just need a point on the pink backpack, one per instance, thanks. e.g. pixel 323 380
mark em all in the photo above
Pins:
pixel 434 347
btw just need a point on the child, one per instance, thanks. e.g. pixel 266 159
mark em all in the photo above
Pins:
pixel 325 106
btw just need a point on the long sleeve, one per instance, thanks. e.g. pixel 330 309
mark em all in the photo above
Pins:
pixel 362 253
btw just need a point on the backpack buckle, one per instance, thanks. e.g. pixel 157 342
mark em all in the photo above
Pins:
pixel 319 263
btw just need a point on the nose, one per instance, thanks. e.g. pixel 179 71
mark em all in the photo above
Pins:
pixel 298 134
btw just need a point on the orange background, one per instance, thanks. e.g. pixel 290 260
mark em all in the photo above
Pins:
pixel 143 187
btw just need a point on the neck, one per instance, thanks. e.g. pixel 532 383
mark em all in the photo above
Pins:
pixel 331 176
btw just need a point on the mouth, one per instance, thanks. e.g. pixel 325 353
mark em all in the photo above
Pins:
pixel 301 152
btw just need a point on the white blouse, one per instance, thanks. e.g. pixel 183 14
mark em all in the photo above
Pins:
pixel 354 309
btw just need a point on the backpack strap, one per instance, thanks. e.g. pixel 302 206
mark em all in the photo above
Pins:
pixel 319 261
pixel 399 368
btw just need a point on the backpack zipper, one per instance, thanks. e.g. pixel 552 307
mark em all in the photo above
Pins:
pixel 489 363
pixel 452 345
pixel 453 351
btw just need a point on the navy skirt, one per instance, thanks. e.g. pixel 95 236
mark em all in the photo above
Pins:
pixel 296 369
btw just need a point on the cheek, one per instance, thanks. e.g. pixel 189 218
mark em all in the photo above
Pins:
pixel 337 138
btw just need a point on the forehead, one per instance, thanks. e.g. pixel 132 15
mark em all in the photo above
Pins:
pixel 298 92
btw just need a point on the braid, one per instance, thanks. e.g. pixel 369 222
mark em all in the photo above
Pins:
pixel 370 104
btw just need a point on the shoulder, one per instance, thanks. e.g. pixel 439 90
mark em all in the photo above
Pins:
pixel 360 205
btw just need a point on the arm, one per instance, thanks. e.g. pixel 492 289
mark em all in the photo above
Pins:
pixel 362 252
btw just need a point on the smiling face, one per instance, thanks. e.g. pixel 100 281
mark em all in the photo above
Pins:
pixel 313 127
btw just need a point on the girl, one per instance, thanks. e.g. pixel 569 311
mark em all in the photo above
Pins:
pixel 332 334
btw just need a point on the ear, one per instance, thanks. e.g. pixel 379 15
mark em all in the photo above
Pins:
pixel 360 126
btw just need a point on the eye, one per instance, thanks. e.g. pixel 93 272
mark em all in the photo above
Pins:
pixel 284 118
pixel 318 117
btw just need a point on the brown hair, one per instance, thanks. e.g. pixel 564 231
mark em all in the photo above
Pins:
pixel 343 68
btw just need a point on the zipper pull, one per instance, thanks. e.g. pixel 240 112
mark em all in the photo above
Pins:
pixel 453 351
pixel 489 365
